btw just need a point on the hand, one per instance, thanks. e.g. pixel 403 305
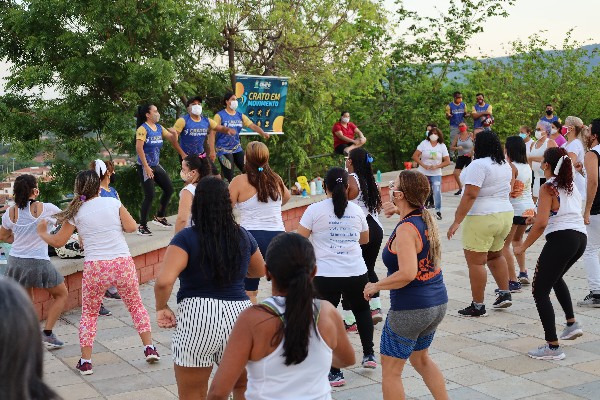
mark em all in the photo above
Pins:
pixel 42 226
pixel 362 140
pixel 212 156
pixel 529 220
pixel 166 318
pixel 370 290
pixel 460 147
pixel 389 209
pixel 183 155
pixel 230 131
pixel 586 218
pixel 266 135
pixel 149 172
pixel 519 250
pixel 452 230
pixel 354 142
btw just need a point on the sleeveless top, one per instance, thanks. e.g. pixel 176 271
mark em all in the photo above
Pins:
pixel 258 216
pixel 225 143
pixel 193 134
pixel 596 203
pixel 536 166
pixel 361 203
pixel 477 122
pixel 192 189
pixel 458 113
pixel 428 288
pixel 467 146
pixel 520 197
pixel 568 215
pixel 270 379
pixel 111 192
pixel 152 145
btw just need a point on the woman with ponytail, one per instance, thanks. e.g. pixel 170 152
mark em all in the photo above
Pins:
pixel 193 168
pixel 258 194
pixel 559 218
pixel 288 341
pixel 575 147
pixel 28 261
pixel 336 229
pixel 100 222
pixel 418 296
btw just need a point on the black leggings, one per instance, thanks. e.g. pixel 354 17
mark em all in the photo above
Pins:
pixel 332 288
pixel 237 158
pixel 561 251
pixel 161 178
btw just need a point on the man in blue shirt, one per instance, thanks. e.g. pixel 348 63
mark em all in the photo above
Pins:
pixel 549 117
pixel 481 113
pixel 455 112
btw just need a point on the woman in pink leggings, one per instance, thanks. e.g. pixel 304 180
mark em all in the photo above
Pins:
pixel 100 222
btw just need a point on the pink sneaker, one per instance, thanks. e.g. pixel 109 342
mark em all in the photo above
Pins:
pixel 85 368
pixel 351 328
pixel 151 355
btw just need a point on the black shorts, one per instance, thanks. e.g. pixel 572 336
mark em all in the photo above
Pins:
pixel 518 220
pixel 339 149
pixel 213 167
pixel 462 162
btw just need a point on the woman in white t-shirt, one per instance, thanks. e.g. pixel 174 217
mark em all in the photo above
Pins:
pixel 576 150
pixel 193 168
pixel 28 261
pixel 100 222
pixel 488 216
pixel 336 229
pixel 536 155
pixel 432 155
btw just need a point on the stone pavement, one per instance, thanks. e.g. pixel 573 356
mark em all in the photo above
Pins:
pixel 481 358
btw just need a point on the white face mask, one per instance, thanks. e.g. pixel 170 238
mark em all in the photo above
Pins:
pixel 196 109
pixel 345 120
pixel 433 138
pixel 538 134
pixel 233 105
pixel 553 131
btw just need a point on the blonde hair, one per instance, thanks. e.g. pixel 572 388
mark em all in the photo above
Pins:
pixel 580 128
pixel 87 186
pixel 415 187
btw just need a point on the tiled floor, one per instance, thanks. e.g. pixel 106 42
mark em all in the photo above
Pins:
pixel 481 358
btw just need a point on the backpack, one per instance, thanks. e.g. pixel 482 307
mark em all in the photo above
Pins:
pixel 71 249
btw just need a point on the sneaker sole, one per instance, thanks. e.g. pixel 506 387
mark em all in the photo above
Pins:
pixel 143 234
pixel 152 359
pixel 504 304
pixel 377 318
pixel 53 346
pixel 579 304
pixel 573 335
pixel 105 315
pixel 370 365
pixel 524 282
pixel 337 383
pixel 161 225
pixel 473 316
pixel 86 372
pixel 558 357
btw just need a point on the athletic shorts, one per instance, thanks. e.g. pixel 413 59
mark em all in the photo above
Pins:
pixel 339 149
pixel 406 331
pixel 203 328
pixel 518 220
pixel 483 233
pixel 462 162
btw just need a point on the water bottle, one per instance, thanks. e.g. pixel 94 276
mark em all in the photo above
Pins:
pixel 313 188
pixel 319 186
pixel 378 176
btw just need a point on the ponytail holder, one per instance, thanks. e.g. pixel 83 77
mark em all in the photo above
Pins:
pixel 369 158
pixel 260 169
pixel 339 180
pixel 202 155
pixel 82 197
pixel 422 207
pixel 559 164
pixel 100 167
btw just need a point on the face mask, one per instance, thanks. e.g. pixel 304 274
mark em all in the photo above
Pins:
pixel 433 138
pixel 538 134
pixel 553 131
pixel 522 135
pixel 233 105
pixel 112 179
pixel 184 177
pixel 564 130
pixel 548 112
pixel 345 120
pixel 196 109
pixel 462 128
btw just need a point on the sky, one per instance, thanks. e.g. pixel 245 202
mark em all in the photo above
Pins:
pixel 526 17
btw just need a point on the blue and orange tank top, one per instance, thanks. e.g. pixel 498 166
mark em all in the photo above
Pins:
pixel 152 145
pixel 458 113
pixel 225 144
pixel 193 135
pixel 478 122
pixel 428 288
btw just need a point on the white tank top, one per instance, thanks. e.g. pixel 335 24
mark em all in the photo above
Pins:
pixel 259 216
pixel 28 243
pixel 568 215
pixel 270 379
pixel 360 202
pixel 192 189
pixel 536 166
pixel 523 201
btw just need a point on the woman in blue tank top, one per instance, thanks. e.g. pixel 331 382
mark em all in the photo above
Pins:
pixel 417 292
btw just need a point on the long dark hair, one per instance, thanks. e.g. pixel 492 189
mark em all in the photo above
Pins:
pixel 487 144
pixel 291 262
pixel 219 235
pixel 336 183
pixel 195 163
pixel 24 185
pixel 141 114
pixel 87 185
pixel 362 164
pixel 260 175
pixel 21 371
pixel 564 178
pixel 515 149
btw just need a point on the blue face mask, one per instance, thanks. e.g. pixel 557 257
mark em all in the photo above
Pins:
pixel 522 135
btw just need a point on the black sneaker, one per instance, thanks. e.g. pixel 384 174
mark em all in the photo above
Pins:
pixel 105 312
pixel 112 296
pixel 458 193
pixel 336 379
pixel 144 231
pixel 438 215
pixel 503 300
pixel 591 300
pixel 162 222
pixel 472 311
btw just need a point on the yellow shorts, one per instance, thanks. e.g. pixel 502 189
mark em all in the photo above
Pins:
pixel 483 233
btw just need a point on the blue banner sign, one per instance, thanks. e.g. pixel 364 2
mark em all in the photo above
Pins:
pixel 262 99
